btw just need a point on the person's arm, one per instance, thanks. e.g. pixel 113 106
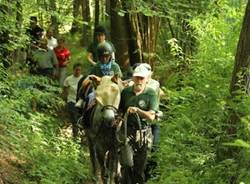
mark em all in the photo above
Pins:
pixel 117 70
pixel 153 108
pixel 54 58
pixel 150 115
pixel 67 61
pixel 54 62
pixel 90 58
pixel 65 93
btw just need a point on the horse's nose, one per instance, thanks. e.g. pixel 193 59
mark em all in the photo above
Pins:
pixel 108 115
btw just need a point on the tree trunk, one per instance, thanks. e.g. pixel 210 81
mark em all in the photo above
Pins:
pixel 119 34
pixel 143 37
pixel 239 85
pixel 54 21
pixel 19 16
pixel 97 12
pixel 240 77
pixel 75 24
pixel 86 28
pixel 108 8
pixel 242 58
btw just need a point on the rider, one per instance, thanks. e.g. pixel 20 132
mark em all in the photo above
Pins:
pixel 140 100
pixel 100 37
pixel 105 65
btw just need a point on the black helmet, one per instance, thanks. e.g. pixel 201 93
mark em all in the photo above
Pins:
pixel 100 29
pixel 104 49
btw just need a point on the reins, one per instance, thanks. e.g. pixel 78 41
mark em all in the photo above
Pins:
pixel 125 121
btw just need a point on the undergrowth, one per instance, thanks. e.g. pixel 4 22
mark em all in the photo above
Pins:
pixel 32 131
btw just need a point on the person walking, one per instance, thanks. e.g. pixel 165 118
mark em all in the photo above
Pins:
pixel 69 94
pixel 140 102
pixel 52 41
pixel 63 57
pixel 45 59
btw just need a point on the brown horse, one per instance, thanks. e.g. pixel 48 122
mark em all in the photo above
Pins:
pixel 101 130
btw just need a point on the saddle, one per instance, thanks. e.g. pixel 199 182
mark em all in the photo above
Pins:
pixel 85 100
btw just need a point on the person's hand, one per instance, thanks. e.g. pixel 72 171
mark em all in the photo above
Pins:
pixel 66 62
pixel 133 110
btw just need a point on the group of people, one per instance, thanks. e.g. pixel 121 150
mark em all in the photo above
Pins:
pixel 47 55
pixel 140 97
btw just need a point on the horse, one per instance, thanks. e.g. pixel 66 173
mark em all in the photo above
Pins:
pixel 101 129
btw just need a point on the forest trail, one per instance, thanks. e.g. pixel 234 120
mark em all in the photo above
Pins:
pixel 10 168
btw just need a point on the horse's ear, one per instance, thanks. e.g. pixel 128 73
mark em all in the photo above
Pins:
pixel 115 78
pixel 95 79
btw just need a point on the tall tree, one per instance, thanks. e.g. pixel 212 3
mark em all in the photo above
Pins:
pixel 97 12
pixel 86 26
pixel 119 34
pixel 19 16
pixel 143 29
pixel 240 82
pixel 240 76
pixel 75 24
pixel 54 20
pixel 239 86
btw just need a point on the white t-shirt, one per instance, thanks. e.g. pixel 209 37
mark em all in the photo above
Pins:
pixel 52 43
pixel 71 83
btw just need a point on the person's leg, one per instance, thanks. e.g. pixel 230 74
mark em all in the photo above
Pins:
pixel 62 75
pixel 74 116
pixel 156 137
pixel 126 175
pixel 152 163
pixel 140 159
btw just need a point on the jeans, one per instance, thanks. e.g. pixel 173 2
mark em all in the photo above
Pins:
pixel 62 75
pixel 156 139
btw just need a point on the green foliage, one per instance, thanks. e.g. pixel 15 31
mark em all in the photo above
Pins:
pixel 44 11
pixel 33 132
pixel 194 132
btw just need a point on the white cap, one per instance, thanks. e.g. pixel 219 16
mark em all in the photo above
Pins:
pixel 141 71
pixel 146 65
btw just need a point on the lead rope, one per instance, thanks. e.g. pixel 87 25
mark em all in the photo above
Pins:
pixel 125 119
pixel 139 124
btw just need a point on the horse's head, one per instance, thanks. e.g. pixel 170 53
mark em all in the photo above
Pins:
pixel 108 95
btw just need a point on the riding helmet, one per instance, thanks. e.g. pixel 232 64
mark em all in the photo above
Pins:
pixel 104 49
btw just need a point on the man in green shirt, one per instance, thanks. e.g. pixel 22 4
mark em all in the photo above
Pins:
pixel 46 60
pixel 142 101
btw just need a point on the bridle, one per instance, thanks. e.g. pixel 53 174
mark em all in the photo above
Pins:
pixel 109 107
